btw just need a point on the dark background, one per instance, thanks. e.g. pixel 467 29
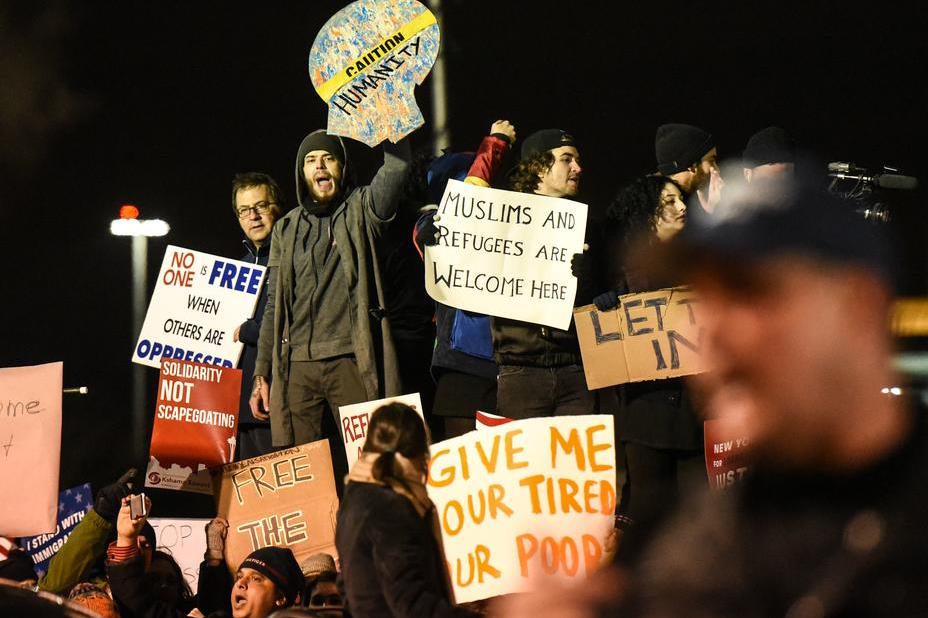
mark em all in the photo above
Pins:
pixel 158 104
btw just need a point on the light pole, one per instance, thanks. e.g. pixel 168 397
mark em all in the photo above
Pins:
pixel 129 224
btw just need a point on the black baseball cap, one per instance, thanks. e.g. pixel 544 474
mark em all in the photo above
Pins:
pixel 545 140
pixel 778 218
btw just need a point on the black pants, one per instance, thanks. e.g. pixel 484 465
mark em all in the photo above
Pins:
pixel 532 392
pixel 656 480
pixel 253 441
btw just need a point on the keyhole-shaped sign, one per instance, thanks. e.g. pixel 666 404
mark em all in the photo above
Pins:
pixel 365 64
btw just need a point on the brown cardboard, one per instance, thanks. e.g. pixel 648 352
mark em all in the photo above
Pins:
pixel 286 499
pixel 650 336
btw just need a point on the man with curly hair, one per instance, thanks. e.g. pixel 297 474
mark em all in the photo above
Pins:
pixel 540 370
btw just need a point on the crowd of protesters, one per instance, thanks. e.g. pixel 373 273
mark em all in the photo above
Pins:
pixel 794 287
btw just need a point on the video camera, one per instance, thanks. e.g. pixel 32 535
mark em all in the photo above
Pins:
pixel 866 187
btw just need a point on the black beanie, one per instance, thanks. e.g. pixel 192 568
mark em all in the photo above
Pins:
pixel 319 140
pixel 770 145
pixel 678 146
pixel 278 565
pixel 545 140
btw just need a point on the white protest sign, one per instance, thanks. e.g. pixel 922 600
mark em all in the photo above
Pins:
pixel 30 448
pixel 198 302
pixel 353 421
pixel 524 501
pixel 185 540
pixel 506 254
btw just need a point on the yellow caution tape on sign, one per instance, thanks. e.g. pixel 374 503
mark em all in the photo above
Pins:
pixel 357 67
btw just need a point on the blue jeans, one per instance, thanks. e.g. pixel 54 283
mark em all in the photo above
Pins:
pixel 530 392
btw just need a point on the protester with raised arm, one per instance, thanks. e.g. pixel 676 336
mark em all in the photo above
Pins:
pixel 325 341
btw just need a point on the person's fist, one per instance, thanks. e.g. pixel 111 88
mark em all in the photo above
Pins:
pixel 580 264
pixel 128 529
pixel 110 497
pixel 505 129
pixel 429 233
pixel 216 531
pixel 260 398
pixel 607 301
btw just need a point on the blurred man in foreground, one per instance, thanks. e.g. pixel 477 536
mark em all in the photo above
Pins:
pixel 795 291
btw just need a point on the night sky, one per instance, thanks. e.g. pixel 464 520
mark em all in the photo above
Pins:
pixel 159 104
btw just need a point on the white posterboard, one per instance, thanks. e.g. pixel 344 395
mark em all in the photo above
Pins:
pixel 185 540
pixel 353 421
pixel 524 501
pixel 198 302
pixel 30 448
pixel 506 254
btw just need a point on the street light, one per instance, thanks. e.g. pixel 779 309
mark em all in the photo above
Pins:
pixel 129 224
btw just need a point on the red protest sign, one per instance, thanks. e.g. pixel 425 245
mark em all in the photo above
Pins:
pixel 195 421
pixel 726 454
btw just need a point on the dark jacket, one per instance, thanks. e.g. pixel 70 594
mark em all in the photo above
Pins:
pixel 534 345
pixel 135 597
pixel 357 221
pixel 391 563
pixel 787 536
pixel 657 413
pixel 248 334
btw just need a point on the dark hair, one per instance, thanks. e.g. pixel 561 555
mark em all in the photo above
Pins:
pixel 524 178
pixel 395 428
pixel 634 211
pixel 247 180
pixel 185 592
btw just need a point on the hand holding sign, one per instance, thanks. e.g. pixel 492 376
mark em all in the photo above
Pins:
pixel 365 63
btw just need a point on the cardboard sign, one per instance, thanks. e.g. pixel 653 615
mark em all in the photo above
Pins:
pixel 285 499
pixel 726 454
pixel 485 420
pixel 365 64
pixel 30 448
pixel 524 501
pixel 650 336
pixel 195 421
pixel 354 419
pixel 506 254
pixel 73 504
pixel 185 540
pixel 198 302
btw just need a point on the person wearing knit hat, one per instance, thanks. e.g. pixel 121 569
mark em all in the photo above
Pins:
pixel 688 156
pixel 267 580
pixel 770 153
pixel 325 340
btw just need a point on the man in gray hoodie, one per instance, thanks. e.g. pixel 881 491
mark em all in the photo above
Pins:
pixel 325 339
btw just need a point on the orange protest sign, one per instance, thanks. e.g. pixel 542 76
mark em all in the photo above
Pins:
pixel 195 421
pixel 285 499
pixel 524 501
pixel 650 336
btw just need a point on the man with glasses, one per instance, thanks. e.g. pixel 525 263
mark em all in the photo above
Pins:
pixel 256 201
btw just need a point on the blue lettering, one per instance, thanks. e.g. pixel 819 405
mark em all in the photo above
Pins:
pixel 254 281
pixel 217 268
pixel 227 274
pixel 143 349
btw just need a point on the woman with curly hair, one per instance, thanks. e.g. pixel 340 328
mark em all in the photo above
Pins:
pixel 660 434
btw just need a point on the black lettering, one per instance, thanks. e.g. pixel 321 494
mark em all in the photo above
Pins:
pixel 598 330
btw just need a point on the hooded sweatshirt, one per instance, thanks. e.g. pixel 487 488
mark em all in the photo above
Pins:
pixel 304 318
